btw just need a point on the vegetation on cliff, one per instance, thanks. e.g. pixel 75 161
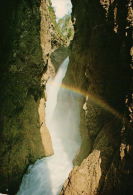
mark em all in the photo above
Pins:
pixel 21 68
pixel 24 59
pixel 63 31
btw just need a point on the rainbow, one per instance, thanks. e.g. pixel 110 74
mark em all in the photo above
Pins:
pixel 94 99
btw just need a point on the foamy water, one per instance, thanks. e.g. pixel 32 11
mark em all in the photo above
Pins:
pixel 47 175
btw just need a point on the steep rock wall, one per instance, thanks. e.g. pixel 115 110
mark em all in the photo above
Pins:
pixel 22 64
pixel 100 69
pixel 28 37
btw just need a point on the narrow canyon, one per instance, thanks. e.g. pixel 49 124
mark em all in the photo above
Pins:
pixel 66 91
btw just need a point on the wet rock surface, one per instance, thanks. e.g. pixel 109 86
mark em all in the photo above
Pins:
pixel 100 68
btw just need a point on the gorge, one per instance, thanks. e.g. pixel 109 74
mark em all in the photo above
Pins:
pixel 47 175
pixel 93 105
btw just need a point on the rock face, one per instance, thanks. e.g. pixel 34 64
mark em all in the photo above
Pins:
pixel 23 133
pixel 100 69
pixel 86 177
pixel 28 36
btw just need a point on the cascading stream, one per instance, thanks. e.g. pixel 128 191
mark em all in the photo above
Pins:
pixel 47 175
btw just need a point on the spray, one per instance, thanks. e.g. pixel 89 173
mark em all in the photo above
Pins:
pixel 47 175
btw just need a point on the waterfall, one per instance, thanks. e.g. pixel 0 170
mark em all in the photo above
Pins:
pixel 47 175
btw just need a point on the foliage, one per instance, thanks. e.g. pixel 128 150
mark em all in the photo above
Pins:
pixel 21 68
pixel 63 28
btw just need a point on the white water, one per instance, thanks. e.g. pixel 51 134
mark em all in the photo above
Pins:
pixel 47 175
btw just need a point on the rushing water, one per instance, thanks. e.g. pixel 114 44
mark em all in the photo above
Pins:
pixel 47 175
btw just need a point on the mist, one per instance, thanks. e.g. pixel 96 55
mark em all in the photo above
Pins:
pixel 47 175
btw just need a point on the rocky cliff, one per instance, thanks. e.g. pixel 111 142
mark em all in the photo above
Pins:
pixel 28 37
pixel 100 67
pixel 22 62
